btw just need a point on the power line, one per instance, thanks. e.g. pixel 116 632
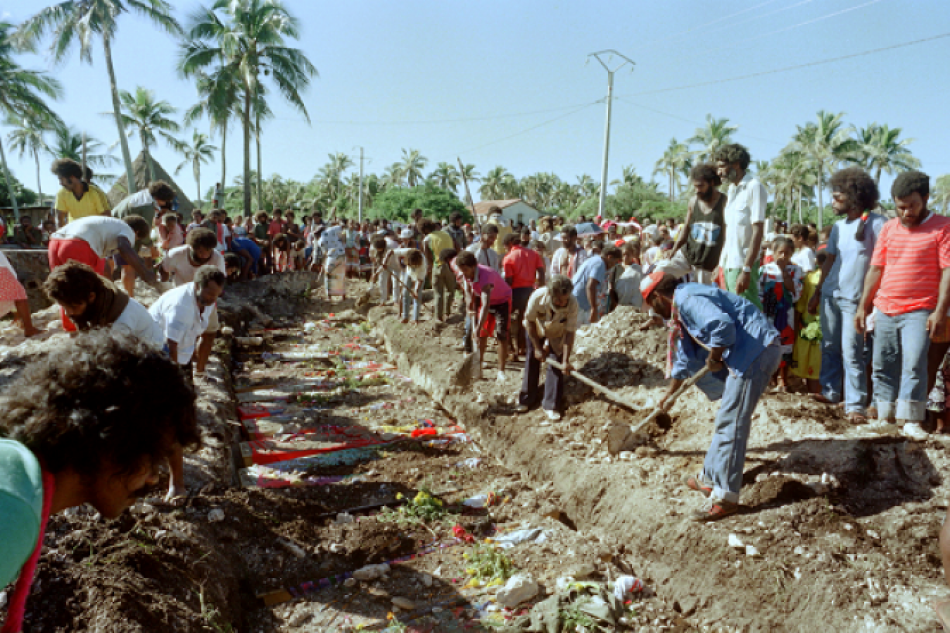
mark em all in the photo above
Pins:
pixel 493 117
pixel 789 68
pixel 533 127
pixel 793 26
pixel 703 26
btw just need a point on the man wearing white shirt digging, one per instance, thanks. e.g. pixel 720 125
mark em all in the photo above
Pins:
pixel 183 314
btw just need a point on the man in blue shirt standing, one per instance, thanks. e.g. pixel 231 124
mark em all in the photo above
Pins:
pixel 590 284
pixel 722 331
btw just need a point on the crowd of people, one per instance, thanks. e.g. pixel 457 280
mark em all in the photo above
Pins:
pixel 857 312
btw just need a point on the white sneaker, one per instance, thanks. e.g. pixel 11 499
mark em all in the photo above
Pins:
pixel 554 416
pixel 501 376
pixel 914 431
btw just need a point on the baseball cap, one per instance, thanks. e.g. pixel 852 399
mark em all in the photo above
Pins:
pixel 649 283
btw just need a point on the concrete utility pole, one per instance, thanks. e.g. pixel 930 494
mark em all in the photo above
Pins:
pixel 624 60
pixel 360 195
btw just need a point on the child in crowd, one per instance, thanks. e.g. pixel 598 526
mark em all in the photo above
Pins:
pixel 780 286
pixel 542 250
pixel 281 253
pixel 263 240
pixel 653 253
pixel 624 280
pixel 804 256
pixel 806 355
pixel 170 233
pixel 297 255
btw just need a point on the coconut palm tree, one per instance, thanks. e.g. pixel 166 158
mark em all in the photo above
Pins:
pixel 394 176
pixel 493 184
pixel 940 195
pixel 883 152
pixel 413 163
pixel 150 118
pixel 628 177
pixel 469 173
pixel 249 36
pixel 714 135
pixel 587 187
pixel 198 152
pixel 446 176
pixel 218 99
pixel 67 143
pixel 72 21
pixel 826 143
pixel 674 161
pixel 22 95
pixel 29 137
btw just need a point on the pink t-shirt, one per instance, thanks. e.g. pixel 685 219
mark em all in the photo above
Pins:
pixel 500 292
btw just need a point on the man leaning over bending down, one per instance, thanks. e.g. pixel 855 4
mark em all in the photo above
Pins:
pixel 738 337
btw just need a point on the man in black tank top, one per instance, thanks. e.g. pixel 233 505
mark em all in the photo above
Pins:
pixel 701 239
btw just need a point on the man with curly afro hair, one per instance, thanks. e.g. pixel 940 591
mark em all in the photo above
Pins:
pixel 909 284
pixel 89 423
pixel 745 222
pixel 845 353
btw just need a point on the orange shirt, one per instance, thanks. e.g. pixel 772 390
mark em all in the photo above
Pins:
pixel 913 260
pixel 521 266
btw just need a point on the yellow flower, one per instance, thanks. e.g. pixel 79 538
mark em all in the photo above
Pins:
pixel 399 495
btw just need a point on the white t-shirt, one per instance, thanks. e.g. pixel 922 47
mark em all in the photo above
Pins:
pixel 136 320
pixel 486 257
pixel 179 265
pixel 805 259
pixel 100 232
pixel 417 273
pixel 176 313
pixel 745 207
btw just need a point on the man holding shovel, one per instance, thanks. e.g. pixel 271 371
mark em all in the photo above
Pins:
pixel 720 330
pixel 551 322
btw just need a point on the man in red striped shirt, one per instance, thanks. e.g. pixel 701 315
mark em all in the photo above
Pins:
pixel 909 285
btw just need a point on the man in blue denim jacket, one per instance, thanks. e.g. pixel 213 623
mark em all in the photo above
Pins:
pixel 728 334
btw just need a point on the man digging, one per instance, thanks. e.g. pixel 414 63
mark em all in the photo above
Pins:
pixel 720 330
pixel 550 321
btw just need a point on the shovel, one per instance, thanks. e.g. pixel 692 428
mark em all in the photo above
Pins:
pixel 599 388
pixel 621 438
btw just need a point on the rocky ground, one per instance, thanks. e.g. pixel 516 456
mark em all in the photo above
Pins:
pixel 290 515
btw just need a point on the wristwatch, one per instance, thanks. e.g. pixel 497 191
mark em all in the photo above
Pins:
pixel 747 269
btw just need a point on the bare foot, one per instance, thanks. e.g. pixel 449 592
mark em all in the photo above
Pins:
pixel 32 331
pixel 942 607
pixel 176 496
pixel 405 321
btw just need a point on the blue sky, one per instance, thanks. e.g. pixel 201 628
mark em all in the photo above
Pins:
pixel 472 80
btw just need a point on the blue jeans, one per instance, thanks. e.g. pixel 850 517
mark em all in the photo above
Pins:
pixel 845 354
pixel 725 458
pixel 407 298
pixel 900 365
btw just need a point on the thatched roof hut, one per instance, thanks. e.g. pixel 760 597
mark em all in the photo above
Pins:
pixel 140 168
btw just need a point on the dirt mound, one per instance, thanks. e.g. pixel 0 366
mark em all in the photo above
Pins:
pixel 619 332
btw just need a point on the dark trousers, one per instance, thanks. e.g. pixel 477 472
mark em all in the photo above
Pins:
pixel 553 381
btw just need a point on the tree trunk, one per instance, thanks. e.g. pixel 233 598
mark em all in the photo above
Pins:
pixel 224 139
pixel 671 185
pixel 117 111
pixel 821 207
pixel 801 193
pixel 39 183
pixel 148 162
pixel 247 149
pixel 257 139
pixel 10 189
pixel 197 168
pixel 877 177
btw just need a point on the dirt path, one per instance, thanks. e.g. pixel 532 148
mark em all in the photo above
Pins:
pixel 842 522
